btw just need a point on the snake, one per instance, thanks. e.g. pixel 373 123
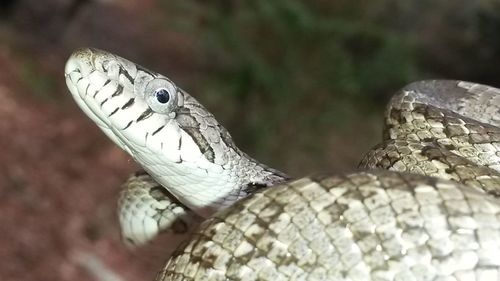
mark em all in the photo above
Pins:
pixel 422 205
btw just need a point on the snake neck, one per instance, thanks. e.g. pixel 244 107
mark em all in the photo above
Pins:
pixel 170 134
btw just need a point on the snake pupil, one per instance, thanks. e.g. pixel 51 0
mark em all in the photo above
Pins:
pixel 162 96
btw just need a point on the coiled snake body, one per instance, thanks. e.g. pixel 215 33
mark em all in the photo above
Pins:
pixel 434 215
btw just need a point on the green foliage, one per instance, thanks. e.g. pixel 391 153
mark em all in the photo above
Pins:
pixel 285 47
pixel 294 66
pixel 43 85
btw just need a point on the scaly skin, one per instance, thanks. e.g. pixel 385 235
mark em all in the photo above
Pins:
pixel 364 226
pixel 178 143
pixel 443 224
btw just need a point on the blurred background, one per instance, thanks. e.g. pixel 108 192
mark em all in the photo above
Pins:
pixel 301 85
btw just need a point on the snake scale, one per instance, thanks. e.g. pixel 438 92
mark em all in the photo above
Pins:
pixel 423 206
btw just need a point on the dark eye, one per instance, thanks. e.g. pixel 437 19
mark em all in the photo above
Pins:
pixel 162 95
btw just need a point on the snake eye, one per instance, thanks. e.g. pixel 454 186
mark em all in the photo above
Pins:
pixel 162 95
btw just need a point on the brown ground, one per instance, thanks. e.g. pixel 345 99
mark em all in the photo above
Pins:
pixel 59 175
pixel 59 181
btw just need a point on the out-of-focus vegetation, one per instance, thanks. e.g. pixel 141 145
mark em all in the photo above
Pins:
pixel 292 72
pixel 298 83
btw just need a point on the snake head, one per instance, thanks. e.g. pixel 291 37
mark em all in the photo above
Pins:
pixel 172 136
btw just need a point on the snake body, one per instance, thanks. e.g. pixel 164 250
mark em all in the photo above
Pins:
pixel 435 215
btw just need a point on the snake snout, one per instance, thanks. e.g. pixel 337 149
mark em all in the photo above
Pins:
pixel 80 62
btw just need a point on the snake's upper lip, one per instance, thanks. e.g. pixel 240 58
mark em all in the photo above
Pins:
pixel 79 66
